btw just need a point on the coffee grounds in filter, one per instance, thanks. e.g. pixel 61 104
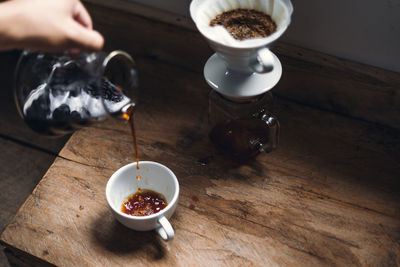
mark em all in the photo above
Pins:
pixel 245 23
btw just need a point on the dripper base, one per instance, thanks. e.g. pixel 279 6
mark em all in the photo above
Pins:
pixel 240 86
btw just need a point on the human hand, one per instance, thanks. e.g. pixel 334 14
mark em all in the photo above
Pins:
pixel 47 25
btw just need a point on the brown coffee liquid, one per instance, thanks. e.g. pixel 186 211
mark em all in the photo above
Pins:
pixel 143 203
pixel 233 137
pixel 245 23
pixel 128 115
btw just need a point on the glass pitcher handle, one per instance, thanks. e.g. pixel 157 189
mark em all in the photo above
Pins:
pixel 269 142
pixel 119 67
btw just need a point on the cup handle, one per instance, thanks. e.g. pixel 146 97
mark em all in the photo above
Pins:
pixel 270 143
pixel 165 230
pixel 264 61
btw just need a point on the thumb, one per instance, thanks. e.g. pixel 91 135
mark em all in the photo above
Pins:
pixel 85 39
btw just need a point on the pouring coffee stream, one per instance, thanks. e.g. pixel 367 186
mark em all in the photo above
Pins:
pixel 128 115
pixel 56 93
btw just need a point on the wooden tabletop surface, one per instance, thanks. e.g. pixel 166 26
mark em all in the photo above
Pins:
pixel 329 195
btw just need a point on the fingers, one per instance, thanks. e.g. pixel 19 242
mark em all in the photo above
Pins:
pixel 85 39
pixel 82 16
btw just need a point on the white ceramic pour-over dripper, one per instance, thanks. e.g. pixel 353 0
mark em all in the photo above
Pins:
pixel 241 69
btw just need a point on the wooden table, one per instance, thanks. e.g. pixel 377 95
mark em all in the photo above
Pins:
pixel 24 157
pixel 328 196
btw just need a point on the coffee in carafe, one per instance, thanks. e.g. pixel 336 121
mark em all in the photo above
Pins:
pixel 243 129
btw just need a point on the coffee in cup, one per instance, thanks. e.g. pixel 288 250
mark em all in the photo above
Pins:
pixel 155 177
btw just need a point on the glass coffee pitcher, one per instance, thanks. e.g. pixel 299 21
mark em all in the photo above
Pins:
pixel 58 93
pixel 244 128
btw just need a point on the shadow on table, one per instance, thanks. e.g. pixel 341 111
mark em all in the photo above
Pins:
pixel 115 237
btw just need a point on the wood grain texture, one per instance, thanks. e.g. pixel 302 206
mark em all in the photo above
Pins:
pixel 338 85
pixel 25 156
pixel 328 196
pixel 309 77
pixel 22 259
pixel 21 168
pixel 146 11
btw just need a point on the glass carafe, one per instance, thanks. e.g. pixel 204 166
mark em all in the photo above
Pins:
pixel 58 93
pixel 242 129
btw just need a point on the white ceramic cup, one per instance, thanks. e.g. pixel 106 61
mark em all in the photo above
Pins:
pixel 154 176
